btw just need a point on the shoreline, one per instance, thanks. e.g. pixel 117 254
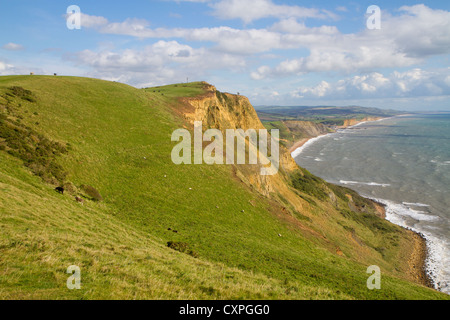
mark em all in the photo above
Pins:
pixel 299 144
pixel 417 262
pixel 303 141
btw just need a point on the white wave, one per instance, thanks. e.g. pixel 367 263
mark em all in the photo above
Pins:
pixel 359 124
pixel 444 163
pixel 405 211
pixel 365 183
pixel 318 160
pixel 438 258
pixel 415 204
pixel 308 143
pixel 364 122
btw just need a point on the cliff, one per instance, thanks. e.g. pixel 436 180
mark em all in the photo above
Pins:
pixel 352 122
pixel 307 203
pixel 228 111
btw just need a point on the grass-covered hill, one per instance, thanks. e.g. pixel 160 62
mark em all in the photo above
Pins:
pixel 150 229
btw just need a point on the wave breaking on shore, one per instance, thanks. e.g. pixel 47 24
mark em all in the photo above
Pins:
pixel 436 258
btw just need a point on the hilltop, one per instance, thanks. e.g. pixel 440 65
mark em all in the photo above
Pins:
pixel 150 229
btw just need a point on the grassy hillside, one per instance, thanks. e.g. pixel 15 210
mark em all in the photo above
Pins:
pixel 116 139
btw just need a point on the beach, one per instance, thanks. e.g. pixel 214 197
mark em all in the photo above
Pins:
pixel 298 144
pixel 417 261
pixel 418 256
pixel 347 124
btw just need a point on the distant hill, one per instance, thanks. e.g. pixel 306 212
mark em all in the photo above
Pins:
pixel 326 114
pixel 299 123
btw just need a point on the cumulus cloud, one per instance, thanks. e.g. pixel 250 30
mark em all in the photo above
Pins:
pixel 287 34
pixel 412 83
pixel 420 31
pixel 404 40
pixel 330 50
pixel 161 62
pixel 251 10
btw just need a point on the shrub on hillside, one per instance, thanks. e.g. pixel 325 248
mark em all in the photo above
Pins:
pixel 91 192
pixel 181 247
pixel 37 152
pixel 21 93
pixel 309 184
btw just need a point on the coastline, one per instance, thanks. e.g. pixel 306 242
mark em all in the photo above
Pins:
pixel 348 124
pixel 417 261
pixel 299 144
pixel 418 258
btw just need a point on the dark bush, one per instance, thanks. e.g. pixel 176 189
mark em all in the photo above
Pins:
pixel 181 247
pixel 21 93
pixel 309 184
pixel 91 192
pixel 37 152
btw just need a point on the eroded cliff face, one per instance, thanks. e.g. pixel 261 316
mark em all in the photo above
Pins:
pixel 308 205
pixel 352 122
pixel 229 111
pixel 223 111
pixel 307 129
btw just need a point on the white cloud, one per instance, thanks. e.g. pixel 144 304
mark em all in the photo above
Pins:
pixel 420 31
pixel 318 91
pixel 161 62
pixel 226 39
pixel 13 47
pixel 292 26
pixel 405 40
pixel 5 67
pixel 330 49
pixel 251 10
pixel 88 21
pixel 412 83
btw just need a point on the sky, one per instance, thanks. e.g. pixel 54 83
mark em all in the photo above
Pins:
pixel 275 52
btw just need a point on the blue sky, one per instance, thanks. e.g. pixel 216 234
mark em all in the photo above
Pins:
pixel 274 52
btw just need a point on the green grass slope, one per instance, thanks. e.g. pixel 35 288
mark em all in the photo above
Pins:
pixel 117 139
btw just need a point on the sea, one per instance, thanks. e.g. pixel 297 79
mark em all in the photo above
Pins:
pixel 402 162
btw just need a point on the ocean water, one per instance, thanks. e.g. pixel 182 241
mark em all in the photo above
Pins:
pixel 403 162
